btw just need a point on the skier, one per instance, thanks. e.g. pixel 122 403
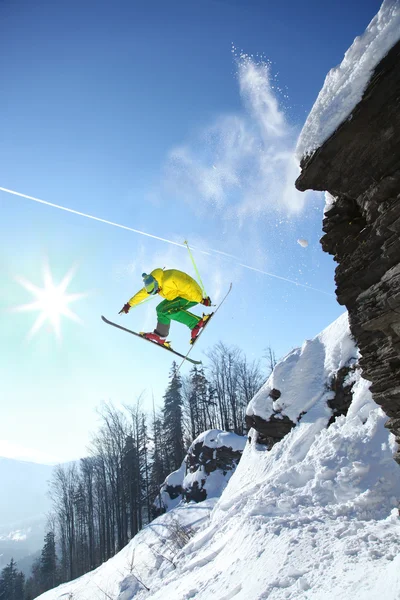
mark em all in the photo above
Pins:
pixel 181 292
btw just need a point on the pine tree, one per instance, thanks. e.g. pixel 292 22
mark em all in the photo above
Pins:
pixel 173 431
pixel 193 404
pixel 12 582
pixel 204 404
pixel 158 470
pixel 130 479
pixel 145 466
pixel 32 586
pixel 19 586
pixel 48 563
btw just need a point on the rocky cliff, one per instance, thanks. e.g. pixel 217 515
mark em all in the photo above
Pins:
pixel 359 165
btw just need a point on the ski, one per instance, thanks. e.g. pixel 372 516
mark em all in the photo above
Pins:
pixel 201 331
pixel 195 362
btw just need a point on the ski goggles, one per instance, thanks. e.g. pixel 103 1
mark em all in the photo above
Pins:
pixel 150 283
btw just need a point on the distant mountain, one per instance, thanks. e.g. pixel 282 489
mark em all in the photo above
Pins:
pixel 25 487
pixel 25 564
pixel 24 504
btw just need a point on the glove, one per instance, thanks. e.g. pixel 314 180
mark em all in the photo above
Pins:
pixel 206 301
pixel 125 309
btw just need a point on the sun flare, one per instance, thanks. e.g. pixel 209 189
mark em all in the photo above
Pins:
pixel 51 301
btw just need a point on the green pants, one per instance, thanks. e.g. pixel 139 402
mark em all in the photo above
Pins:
pixel 175 310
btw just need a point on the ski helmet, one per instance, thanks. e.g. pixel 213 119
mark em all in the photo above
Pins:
pixel 150 284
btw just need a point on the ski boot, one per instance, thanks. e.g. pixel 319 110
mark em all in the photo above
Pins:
pixel 199 327
pixel 157 339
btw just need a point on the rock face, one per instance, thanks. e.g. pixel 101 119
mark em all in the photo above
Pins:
pixel 210 462
pixel 204 457
pixel 342 388
pixel 272 431
pixel 359 165
pixel 269 432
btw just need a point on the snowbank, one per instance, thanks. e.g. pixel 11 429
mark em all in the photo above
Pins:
pixel 302 376
pixel 314 518
pixel 345 84
pixel 216 438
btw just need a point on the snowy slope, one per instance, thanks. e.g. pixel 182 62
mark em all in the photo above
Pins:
pixel 150 553
pixel 345 84
pixel 315 518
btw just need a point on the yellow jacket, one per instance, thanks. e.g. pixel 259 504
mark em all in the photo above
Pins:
pixel 173 284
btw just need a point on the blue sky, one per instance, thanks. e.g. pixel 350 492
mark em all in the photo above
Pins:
pixel 179 120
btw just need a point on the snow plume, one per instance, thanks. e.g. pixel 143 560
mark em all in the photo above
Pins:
pixel 242 164
pixel 257 91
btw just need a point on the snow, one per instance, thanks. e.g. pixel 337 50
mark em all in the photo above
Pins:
pixel 174 479
pixel 302 375
pixel 142 557
pixel 329 202
pixel 315 518
pixel 215 482
pixel 16 536
pixel 216 438
pixel 344 85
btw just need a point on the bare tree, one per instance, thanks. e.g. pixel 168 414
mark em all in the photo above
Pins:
pixel 62 491
pixel 271 359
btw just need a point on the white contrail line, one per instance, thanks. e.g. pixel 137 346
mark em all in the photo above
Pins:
pixel 81 214
pixel 285 279
pixel 225 254
pixel 155 237
pixel 198 250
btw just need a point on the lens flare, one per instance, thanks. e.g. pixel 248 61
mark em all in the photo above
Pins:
pixel 51 301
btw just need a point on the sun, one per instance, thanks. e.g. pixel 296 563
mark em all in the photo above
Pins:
pixel 51 301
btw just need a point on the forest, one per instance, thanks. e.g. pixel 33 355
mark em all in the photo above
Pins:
pixel 103 500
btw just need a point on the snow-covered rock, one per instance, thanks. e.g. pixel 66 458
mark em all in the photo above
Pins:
pixel 204 473
pixel 171 490
pixel 307 376
pixel 345 84
pixel 211 460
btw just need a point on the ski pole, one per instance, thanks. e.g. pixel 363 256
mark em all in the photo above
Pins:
pixel 196 270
